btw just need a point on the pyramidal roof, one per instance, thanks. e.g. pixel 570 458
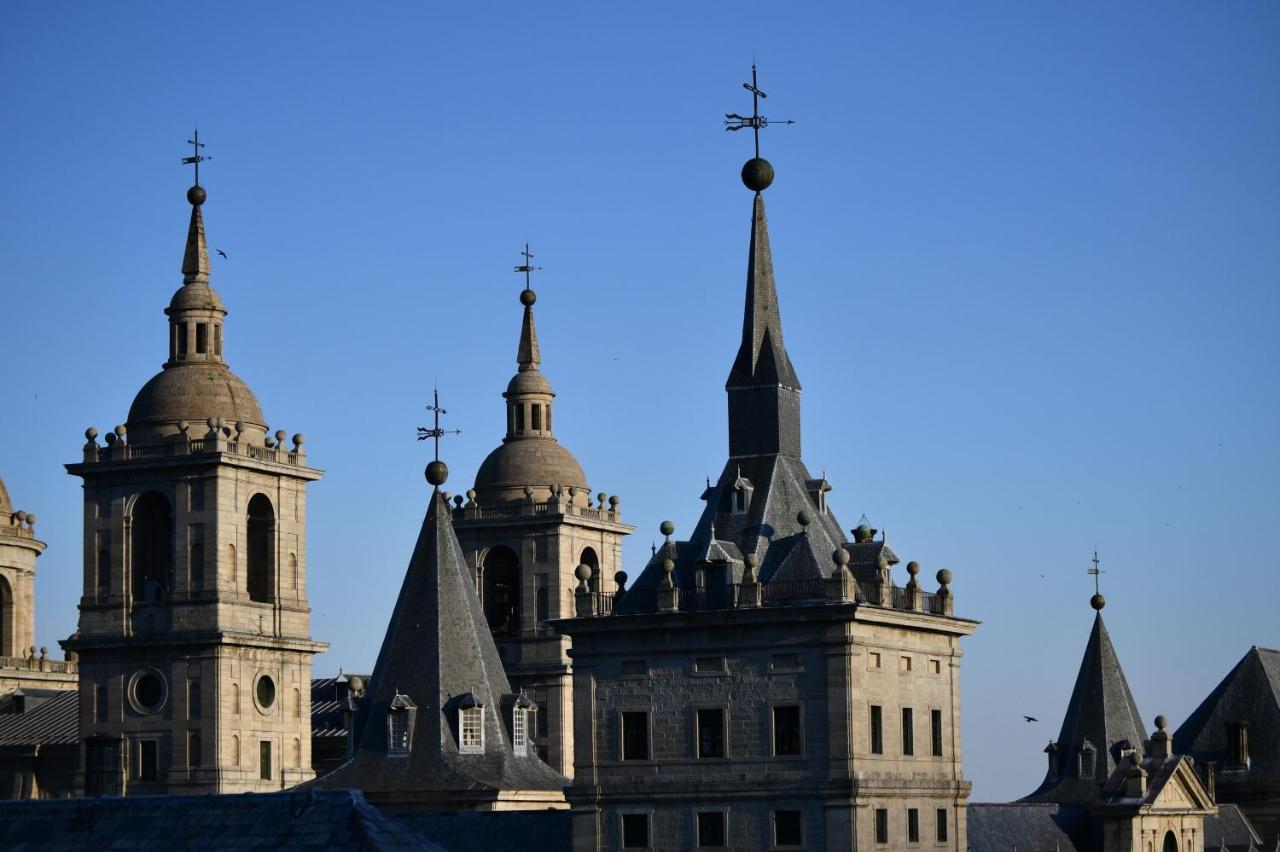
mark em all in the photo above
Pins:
pixel 438 656
pixel 1102 713
pixel 1250 693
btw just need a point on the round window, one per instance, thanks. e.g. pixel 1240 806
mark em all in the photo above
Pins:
pixel 147 691
pixel 265 692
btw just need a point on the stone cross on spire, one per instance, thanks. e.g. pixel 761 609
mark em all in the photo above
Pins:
pixel 755 121
pixel 196 157
pixel 435 433
pixel 528 355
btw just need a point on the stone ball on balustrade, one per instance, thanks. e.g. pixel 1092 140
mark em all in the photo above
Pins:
pixel 298 440
pixel 111 438
pixel 840 556
pixel 121 431
pixel 31 520
pixel 944 576
pixel 913 568
pixel 620 578
pixel 281 436
pixel 90 433
pixel 582 572
pixel 21 516
pixel 614 501
pixel 1162 722
pixel 668 566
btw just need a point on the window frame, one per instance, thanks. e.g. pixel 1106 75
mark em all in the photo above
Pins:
pixel 723 813
pixel 881 823
pixel 913 825
pixel 647 816
pixel 471 730
pixel 908 732
pixel 940 825
pixel 875 722
pixel 623 727
pixel 936 748
pixel 698 710
pixel 773 729
pixel 776 844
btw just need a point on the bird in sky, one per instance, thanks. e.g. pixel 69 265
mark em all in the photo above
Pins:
pixel 1031 718
pixel 221 252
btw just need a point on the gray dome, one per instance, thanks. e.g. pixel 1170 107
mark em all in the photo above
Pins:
pixel 528 381
pixel 537 462
pixel 195 296
pixel 191 391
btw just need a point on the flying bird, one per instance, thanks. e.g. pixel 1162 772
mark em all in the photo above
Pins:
pixel 221 252
pixel 1031 718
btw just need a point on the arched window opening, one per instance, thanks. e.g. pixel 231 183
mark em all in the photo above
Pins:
pixel 293 571
pixel 537 417
pixel 152 548
pixel 1086 760
pixel 400 718
pixel 235 750
pixel 6 619
pixel 202 338
pixel 235 700
pixel 502 591
pixel 181 330
pixel 261 532
pixel 519 417
pixel 1170 842
pixel 592 561
pixel 217 340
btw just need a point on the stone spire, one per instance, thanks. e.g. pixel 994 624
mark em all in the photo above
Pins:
pixel 437 660
pixel 1101 718
pixel 195 260
pixel 764 391
pixel 528 355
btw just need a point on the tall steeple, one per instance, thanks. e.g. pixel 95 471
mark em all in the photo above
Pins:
pixel 1101 719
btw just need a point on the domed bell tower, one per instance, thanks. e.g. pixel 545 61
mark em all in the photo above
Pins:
pixel 194 636
pixel 525 527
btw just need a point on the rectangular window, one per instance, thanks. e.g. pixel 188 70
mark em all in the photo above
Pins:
pixel 193 699
pixel 714 665
pixel 785 662
pixel 942 825
pixel 913 825
pixel 542 600
pixel 635 831
pixel 882 825
pixel 787 829
pixel 877 730
pixel 519 418
pixel 264 760
pixel 195 488
pixel 536 412
pixel 148 760
pixel 935 667
pixel 181 331
pixel 908 734
pixel 635 735
pixel 217 340
pixel 787 738
pixel 873 659
pixel 520 731
pixel 711 829
pixel 905 664
pixel 935 732
pixel 710 733
pixel 398 730
pixel 195 752
pixel 100 705
pixel 104 562
pixel 471 724
pixel 202 338
pixel 543 719
pixel 634 668
pixel 540 549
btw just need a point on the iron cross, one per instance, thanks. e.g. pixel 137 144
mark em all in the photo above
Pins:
pixel 196 157
pixel 1095 571
pixel 435 432
pixel 527 268
pixel 755 121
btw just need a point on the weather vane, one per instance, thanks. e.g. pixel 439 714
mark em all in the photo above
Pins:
pixel 1095 571
pixel 435 432
pixel 196 157
pixel 527 268
pixel 755 121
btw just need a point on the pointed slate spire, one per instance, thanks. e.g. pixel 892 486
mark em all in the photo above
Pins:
pixel 762 357
pixel 437 658
pixel 528 356
pixel 1102 713
pixel 195 259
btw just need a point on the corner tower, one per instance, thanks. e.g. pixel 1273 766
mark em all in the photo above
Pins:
pixel 525 527
pixel 194 634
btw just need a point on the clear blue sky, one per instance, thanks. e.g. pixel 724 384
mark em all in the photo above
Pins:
pixel 1027 257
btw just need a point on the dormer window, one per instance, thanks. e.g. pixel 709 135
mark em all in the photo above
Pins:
pixel 400 716
pixel 1052 750
pixel 1087 753
pixel 1238 744
pixel 520 712
pixel 741 495
pixel 470 725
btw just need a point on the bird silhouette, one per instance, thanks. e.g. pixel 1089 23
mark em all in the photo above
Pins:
pixel 1031 718
pixel 221 252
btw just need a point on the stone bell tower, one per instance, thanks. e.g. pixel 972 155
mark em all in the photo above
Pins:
pixel 194 636
pixel 525 527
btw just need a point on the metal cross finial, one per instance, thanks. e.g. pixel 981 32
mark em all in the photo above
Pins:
pixel 527 268
pixel 755 121
pixel 435 432
pixel 1095 571
pixel 196 157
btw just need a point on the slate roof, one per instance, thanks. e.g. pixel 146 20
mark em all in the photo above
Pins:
pixel 52 718
pixel 762 357
pixel 437 649
pixel 1230 828
pixel 311 819
pixel 1102 711
pixel 1249 693
pixel 1047 827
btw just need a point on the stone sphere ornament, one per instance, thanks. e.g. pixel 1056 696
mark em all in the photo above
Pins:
pixel 757 174
pixel 196 195
pixel 528 297
pixel 582 572
pixel 1097 602
pixel 666 528
pixel 944 576
pixel 437 473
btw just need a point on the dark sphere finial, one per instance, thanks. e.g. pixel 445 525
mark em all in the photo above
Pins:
pixel 196 195
pixel 528 297
pixel 437 473
pixel 757 174
pixel 1097 602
